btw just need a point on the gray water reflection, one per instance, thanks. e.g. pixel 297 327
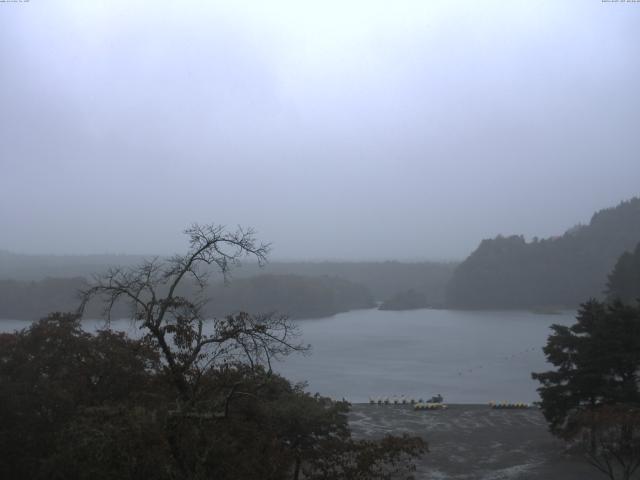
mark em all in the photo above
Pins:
pixel 467 356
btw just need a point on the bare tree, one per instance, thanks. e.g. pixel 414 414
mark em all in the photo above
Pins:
pixel 191 344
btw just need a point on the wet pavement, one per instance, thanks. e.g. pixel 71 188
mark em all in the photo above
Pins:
pixel 469 442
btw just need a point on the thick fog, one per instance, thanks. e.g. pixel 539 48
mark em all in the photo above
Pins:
pixel 339 130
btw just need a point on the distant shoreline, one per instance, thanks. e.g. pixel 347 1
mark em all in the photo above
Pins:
pixel 542 311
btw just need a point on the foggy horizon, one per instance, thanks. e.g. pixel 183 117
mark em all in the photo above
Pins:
pixel 311 259
pixel 339 131
pixel 445 197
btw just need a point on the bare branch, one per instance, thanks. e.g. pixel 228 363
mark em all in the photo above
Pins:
pixel 190 344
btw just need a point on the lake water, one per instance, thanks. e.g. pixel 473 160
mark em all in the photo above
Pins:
pixel 467 356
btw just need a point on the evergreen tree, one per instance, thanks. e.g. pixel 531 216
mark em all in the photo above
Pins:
pixel 592 398
pixel 624 280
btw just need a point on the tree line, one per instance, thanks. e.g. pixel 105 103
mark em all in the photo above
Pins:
pixel 592 397
pixel 193 398
pixel 383 279
pixel 509 272
pixel 296 296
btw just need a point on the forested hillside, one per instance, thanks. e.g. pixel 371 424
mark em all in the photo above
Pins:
pixel 409 300
pixel 509 272
pixel 297 296
pixel 22 300
pixel 292 295
pixel 383 279
pixel 624 281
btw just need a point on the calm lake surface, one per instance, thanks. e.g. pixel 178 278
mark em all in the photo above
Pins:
pixel 467 356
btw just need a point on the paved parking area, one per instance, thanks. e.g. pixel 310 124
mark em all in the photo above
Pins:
pixel 476 442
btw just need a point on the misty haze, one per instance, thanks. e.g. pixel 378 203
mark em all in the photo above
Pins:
pixel 319 240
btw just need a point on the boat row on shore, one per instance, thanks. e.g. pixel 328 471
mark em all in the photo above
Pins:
pixel 509 405
pixel 395 401
pixel 430 406
pixel 420 404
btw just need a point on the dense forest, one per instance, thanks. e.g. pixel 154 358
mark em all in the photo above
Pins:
pixel 407 300
pixel 383 279
pixel 509 272
pixel 31 300
pixel 33 285
pixel 504 272
pixel 624 280
pixel 293 295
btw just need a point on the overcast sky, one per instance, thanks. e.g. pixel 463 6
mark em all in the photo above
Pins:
pixel 339 130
